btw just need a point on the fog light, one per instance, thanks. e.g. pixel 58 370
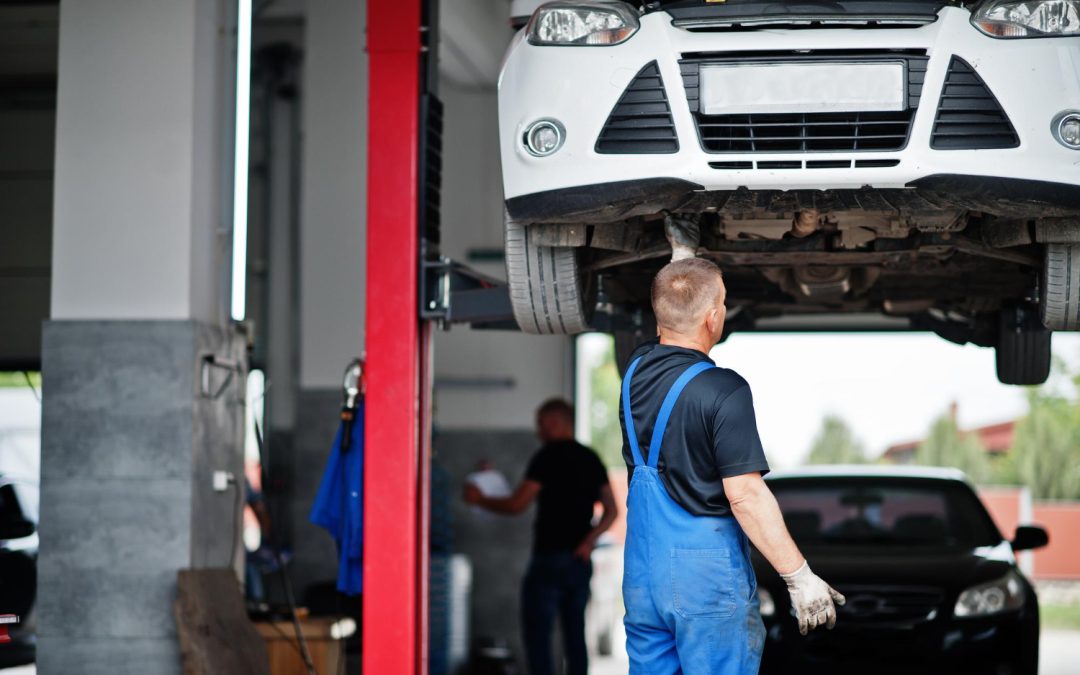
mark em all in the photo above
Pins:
pixel 544 137
pixel 1066 128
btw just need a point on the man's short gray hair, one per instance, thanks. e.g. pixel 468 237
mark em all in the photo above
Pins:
pixel 683 291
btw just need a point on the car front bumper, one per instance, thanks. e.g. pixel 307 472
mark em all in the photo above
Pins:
pixel 1033 80
pixel 991 646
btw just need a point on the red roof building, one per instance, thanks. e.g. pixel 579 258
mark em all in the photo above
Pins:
pixel 995 438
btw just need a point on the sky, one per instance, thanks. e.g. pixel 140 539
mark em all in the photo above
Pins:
pixel 887 387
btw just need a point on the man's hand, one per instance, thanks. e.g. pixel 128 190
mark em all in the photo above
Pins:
pixel 472 495
pixel 584 549
pixel 812 599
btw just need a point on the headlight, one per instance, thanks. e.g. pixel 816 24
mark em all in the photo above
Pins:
pixel 1035 18
pixel 1000 595
pixel 582 23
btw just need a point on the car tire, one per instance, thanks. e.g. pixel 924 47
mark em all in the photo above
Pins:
pixel 629 339
pixel 550 292
pixel 1060 307
pixel 1023 349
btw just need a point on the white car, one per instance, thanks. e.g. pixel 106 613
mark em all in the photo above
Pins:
pixel 860 164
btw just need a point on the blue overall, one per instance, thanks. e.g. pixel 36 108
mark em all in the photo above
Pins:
pixel 688 587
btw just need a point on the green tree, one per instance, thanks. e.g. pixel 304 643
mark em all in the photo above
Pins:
pixel 606 432
pixel 1045 454
pixel 835 443
pixel 20 379
pixel 946 446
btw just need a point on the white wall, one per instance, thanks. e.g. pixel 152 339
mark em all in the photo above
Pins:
pixel 138 184
pixel 333 211
pixel 333 188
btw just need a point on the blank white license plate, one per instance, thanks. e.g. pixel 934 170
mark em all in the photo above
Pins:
pixel 801 88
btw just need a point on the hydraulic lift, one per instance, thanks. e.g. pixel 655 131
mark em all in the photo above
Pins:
pixel 408 289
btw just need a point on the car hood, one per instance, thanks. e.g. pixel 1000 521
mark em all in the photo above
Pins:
pixel 950 570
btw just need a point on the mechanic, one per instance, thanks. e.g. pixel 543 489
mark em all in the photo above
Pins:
pixel 697 495
pixel 567 479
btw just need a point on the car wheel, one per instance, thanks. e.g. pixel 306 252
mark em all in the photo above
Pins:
pixel 549 290
pixel 1023 349
pixel 1060 306
pixel 628 339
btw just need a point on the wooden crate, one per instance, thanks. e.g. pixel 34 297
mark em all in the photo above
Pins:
pixel 327 653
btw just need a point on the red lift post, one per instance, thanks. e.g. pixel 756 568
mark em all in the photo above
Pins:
pixel 396 483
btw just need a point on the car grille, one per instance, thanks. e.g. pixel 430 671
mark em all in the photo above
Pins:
pixel 969 117
pixel 885 604
pixel 805 132
pixel 641 121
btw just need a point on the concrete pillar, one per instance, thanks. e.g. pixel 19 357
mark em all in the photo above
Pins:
pixel 143 377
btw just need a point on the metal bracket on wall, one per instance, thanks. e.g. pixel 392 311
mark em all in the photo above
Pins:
pixel 453 293
pixel 208 364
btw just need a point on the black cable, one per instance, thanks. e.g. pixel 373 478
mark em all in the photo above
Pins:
pixel 30 383
pixel 285 582
pixel 292 642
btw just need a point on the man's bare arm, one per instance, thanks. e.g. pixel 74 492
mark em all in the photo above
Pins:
pixel 755 507
pixel 607 501
pixel 516 503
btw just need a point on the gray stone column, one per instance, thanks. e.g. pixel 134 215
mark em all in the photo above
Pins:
pixel 130 440
pixel 143 375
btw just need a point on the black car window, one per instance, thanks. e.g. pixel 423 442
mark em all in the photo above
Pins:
pixel 849 512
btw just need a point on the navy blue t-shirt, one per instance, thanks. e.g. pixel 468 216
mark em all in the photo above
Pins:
pixel 711 435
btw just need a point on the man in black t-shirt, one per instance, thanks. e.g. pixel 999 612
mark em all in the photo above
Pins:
pixel 697 496
pixel 566 479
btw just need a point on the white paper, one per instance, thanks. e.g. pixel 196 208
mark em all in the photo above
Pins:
pixel 491 483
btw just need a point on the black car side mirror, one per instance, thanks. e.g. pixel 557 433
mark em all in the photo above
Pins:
pixel 15 529
pixel 1029 537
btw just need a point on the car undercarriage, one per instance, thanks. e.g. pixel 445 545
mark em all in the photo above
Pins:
pixel 966 265
pixel 863 166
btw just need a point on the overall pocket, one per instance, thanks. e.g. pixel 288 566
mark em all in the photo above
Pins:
pixel 703 582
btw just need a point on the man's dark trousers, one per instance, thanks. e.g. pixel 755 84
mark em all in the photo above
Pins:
pixel 556 584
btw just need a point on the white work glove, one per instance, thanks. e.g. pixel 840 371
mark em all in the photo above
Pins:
pixel 812 599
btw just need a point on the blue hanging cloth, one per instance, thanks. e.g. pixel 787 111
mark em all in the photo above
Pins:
pixel 339 505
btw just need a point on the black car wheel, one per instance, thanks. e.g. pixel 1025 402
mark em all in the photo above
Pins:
pixel 550 291
pixel 628 339
pixel 1060 307
pixel 1023 348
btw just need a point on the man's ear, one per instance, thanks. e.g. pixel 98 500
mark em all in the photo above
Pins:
pixel 712 320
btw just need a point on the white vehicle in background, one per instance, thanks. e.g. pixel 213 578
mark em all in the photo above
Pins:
pixel 856 164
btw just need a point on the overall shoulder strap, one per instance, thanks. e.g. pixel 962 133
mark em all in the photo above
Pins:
pixel 665 410
pixel 628 416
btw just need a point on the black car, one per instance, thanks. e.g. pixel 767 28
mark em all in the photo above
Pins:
pixel 931 584
pixel 18 570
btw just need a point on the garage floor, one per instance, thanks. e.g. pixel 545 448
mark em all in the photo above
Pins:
pixel 1060 651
